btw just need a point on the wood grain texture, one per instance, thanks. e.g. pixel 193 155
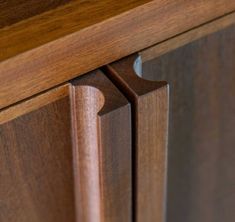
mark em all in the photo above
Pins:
pixel 201 75
pixel 36 176
pixel 59 23
pixel 101 122
pixel 56 46
pixel 150 104
pixel 13 11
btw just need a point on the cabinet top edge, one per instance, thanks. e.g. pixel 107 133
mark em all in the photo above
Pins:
pixel 53 47
pixel 56 23
pixel 78 15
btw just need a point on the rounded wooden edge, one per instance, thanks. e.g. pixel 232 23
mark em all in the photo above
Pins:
pixel 86 101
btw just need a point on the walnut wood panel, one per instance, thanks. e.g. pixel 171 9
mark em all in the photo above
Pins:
pixel 51 48
pixel 12 11
pixel 150 104
pixel 36 175
pixel 201 179
pixel 101 122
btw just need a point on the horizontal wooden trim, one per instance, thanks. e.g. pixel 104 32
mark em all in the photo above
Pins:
pixel 187 37
pixel 47 50
pixel 34 103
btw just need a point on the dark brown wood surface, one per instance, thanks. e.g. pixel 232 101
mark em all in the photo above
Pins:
pixel 34 103
pixel 51 48
pixel 36 175
pixel 150 121
pixel 13 11
pixel 201 179
pixel 36 167
pixel 101 122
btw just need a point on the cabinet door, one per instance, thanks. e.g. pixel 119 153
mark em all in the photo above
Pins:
pixel 36 176
pixel 150 114
pixel 201 75
pixel 66 155
pixel 201 141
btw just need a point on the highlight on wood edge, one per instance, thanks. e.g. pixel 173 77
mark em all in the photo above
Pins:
pixel 101 132
pixel 150 102
pixel 88 156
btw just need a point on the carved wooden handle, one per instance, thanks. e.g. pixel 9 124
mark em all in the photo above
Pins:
pixel 101 129
pixel 150 111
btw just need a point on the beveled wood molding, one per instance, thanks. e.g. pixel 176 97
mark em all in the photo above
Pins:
pixel 150 109
pixel 101 132
pixel 33 103
pixel 48 49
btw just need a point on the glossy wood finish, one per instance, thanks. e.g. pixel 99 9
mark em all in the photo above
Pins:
pixel 36 179
pixel 201 179
pixel 49 49
pixel 101 122
pixel 150 119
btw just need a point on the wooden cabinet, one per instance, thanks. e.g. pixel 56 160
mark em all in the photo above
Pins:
pixel 117 111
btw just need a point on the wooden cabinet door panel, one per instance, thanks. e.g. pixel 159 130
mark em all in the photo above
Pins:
pixel 150 122
pixel 201 163
pixel 101 122
pixel 36 176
